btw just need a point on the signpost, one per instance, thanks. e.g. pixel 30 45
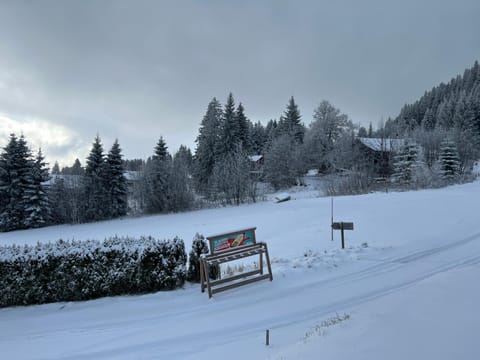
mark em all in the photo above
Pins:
pixel 342 226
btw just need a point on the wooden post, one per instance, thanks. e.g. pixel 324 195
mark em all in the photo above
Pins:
pixel 343 237
pixel 267 338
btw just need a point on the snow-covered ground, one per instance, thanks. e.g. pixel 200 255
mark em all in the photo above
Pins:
pixel 405 288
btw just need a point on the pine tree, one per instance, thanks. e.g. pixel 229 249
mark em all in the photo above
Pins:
pixel 37 205
pixel 290 122
pixel 206 144
pixel 116 183
pixel 185 157
pixel 229 130
pixel 15 178
pixel 243 127
pixel 96 207
pixel 181 194
pixel 161 150
pixel 258 138
pixel 156 179
pixel 77 168
pixel 199 248
pixel 449 161
pixel 428 122
pixel 406 164
pixel 56 169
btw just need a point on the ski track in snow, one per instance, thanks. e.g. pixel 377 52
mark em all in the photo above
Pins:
pixel 393 271
pixel 162 325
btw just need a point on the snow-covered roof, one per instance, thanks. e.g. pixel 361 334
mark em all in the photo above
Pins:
pixel 131 175
pixel 69 180
pixel 380 144
pixel 255 158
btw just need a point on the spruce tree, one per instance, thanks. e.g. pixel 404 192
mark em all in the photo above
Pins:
pixel 258 138
pixel 406 164
pixel 77 168
pixel 156 179
pixel 243 126
pixel 116 183
pixel 449 161
pixel 56 169
pixel 428 122
pixel 15 178
pixel 96 207
pixel 206 143
pixel 229 130
pixel 37 205
pixel 161 150
pixel 290 123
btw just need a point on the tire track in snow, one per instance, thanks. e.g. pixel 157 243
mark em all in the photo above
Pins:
pixel 391 268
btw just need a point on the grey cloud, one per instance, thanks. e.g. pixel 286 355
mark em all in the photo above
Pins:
pixel 135 70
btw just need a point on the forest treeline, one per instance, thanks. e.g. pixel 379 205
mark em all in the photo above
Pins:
pixel 439 133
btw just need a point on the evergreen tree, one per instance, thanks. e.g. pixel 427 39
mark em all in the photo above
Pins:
pixel 77 168
pixel 161 150
pixel 181 194
pixel 243 126
pixel 206 143
pixel 199 248
pixel 406 164
pixel 15 178
pixel 185 157
pixel 37 206
pixel 290 122
pixel 115 182
pixel 229 130
pixel 96 206
pixel 362 132
pixel 56 169
pixel 449 161
pixel 156 180
pixel 428 122
pixel 258 138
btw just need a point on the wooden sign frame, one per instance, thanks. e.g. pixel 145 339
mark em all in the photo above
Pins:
pixel 231 240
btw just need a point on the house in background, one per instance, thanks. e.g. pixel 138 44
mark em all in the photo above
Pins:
pixel 377 154
pixel 256 164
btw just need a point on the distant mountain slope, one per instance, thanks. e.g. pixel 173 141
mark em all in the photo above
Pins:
pixel 452 105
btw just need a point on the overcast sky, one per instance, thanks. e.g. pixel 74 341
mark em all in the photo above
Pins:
pixel 138 70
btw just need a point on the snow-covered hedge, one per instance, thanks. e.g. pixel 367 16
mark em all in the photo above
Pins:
pixel 81 270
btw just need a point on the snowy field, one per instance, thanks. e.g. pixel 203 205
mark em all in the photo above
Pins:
pixel 405 288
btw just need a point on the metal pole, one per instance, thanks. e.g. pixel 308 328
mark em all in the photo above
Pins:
pixel 267 338
pixel 331 225
pixel 343 238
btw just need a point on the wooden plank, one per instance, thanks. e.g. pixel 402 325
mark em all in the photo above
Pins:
pixel 336 226
pixel 344 225
pixel 267 257
pixel 235 277
pixel 347 225
pixel 241 283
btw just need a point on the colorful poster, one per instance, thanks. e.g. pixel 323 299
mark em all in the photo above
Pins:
pixel 232 240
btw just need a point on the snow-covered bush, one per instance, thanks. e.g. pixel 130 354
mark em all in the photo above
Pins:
pixel 199 247
pixel 82 270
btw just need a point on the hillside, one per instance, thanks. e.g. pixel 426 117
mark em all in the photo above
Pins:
pixel 404 283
